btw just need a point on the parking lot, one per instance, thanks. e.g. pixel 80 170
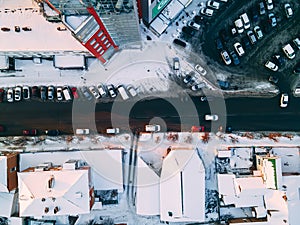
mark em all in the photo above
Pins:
pixel 252 63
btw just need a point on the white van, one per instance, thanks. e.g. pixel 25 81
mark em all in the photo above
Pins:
pixel 123 93
pixel 66 93
pixel 246 20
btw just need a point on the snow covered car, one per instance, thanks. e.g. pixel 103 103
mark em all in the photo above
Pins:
pixel 200 70
pixel 152 128
pixel 212 117
pixel 272 66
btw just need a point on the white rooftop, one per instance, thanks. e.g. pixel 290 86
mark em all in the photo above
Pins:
pixel 6 205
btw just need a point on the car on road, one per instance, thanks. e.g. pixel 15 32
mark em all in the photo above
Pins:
pixel 59 95
pixel 210 117
pixel 258 32
pixel 30 132
pixel 288 10
pixel 269 4
pixel 296 42
pixel 235 58
pixel 94 92
pixel 10 95
pixel 200 70
pixel 273 79
pixel 82 131
pixel 18 93
pixel 198 86
pixel 239 25
pixel 152 128
pixel 289 51
pixel 225 57
pixel 284 100
pixel 74 92
pixel 86 93
pixel 43 93
pixel 272 19
pixel 262 9
pixel 52 132
pixel 111 90
pixel 272 66
pixel 213 4
pixel 26 92
pixel 251 37
pixel 51 91
pixel 239 49
pixel 194 25
pixel 207 12
pixel 131 90
pixel 101 90
pixel 1 94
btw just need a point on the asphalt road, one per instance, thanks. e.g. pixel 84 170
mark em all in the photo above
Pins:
pixel 245 114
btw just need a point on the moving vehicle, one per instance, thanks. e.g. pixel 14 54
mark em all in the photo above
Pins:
pixel 200 70
pixel 289 51
pixel 152 128
pixel 26 92
pixel 284 100
pixel 213 4
pixel 288 10
pixel 51 91
pixel 94 92
pixel 18 94
pixel 121 89
pixel 207 12
pixel 212 117
pixel 111 91
pixel 32 132
pixel 258 32
pixel 82 131
pixel 225 57
pixel 10 95
pixel 112 130
pixel 245 20
pixel 194 25
pixel 59 93
pixel 272 66
pixel 176 65
pixel 239 49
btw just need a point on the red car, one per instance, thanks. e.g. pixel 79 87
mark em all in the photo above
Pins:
pixel 74 92
pixel 198 128
pixel 31 132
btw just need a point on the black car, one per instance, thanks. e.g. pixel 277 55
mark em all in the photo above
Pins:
pixel 17 29
pixel 273 79
pixel 246 42
pixel 52 132
pixel 179 42
pixel 278 60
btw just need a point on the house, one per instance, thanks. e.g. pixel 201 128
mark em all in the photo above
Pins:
pixel 48 190
pixel 182 187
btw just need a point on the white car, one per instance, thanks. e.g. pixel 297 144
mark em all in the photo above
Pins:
pixel 10 95
pixel 258 32
pixel 132 91
pixel 289 51
pixel 238 48
pixel 226 57
pixel 288 10
pixel 207 12
pixel 111 91
pixel 18 93
pixel 272 19
pixel 152 128
pixel 194 25
pixel 59 93
pixel 272 66
pixel 94 92
pixel 200 70
pixel 239 25
pixel 112 130
pixel 269 4
pixel 211 117
pixel 284 100
pixel 213 4
pixel 82 131
pixel 297 42
pixel 101 90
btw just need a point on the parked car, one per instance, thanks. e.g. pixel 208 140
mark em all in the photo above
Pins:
pixel 224 35
pixel 269 4
pixel 131 90
pixel 26 92
pixel 272 19
pixel 258 32
pixel 284 100
pixel 235 58
pixel 111 90
pixel 297 68
pixel 1 94
pixel 198 129
pixel 278 60
pixel 224 84
pixel 52 132
pixel 200 70
pixel 272 66
pixel 239 25
pixel 194 25
pixel 31 132
pixel 219 43
pixel 74 92
pixel 112 130
pixel 123 93
pixel 35 92
pixel 198 86
pixel 59 94
pixel 17 29
pixel 152 128
pixel 225 57
pixel 262 10
pixel 82 131
pixel 239 49
pixel 179 42
pixel 207 12
pixel 289 51
pixel 51 91
pixel 213 4
pixel 94 92
pixel 273 79
pixel 101 89
pixel 245 20
pixel 189 79
pixel 251 37
pixel 246 42
pixel 296 42
pixel 10 95
pixel 176 65
pixel 67 94
pixel 18 93
pixel 86 93
pixel 188 30
pixel 212 117
pixel 288 10
pixel 43 93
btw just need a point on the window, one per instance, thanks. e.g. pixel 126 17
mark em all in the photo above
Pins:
pixel 13 169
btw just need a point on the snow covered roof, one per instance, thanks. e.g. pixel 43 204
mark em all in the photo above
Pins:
pixel 69 61
pixel 182 187
pixel 6 205
pixel 226 184
pixel 57 192
pixel 147 190
pixel 3 174
pixel 253 186
pixel 173 10
pixel 4 62
pixel 160 24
